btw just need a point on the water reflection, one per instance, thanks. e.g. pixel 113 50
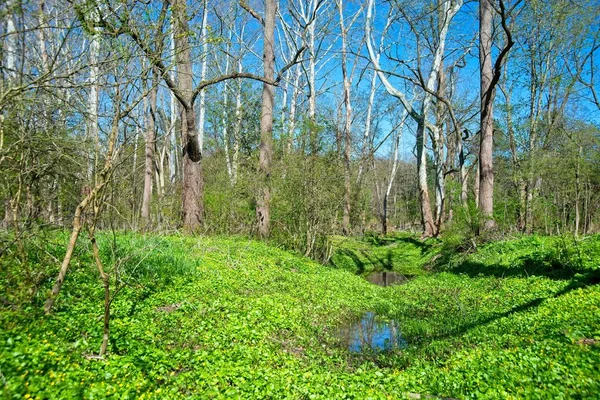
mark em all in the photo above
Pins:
pixel 386 278
pixel 371 333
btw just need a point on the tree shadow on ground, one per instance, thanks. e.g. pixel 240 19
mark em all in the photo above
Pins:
pixel 581 281
pixel 525 267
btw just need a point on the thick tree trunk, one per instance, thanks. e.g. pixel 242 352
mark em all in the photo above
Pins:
pixel 486 167
pixel 192 154
pixel 193 179
pixel 266 121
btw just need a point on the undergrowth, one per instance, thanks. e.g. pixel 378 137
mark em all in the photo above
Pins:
pixel 232 318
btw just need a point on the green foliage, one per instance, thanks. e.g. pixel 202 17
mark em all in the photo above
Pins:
pixel 232 318
pixel 401 252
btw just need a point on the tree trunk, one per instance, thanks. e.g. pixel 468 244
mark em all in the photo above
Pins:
pixel 173 121
pixel 149 150
pixel 193 179
pixel 92 131
pixel 293 102
pixel 192 154
pixel 313 140
pixel 578 190
pixel 486 167
pixel 266 121
pixel 11 42
pixel 347 125
pixel 427 223
pixel 202 101
pixel 384 216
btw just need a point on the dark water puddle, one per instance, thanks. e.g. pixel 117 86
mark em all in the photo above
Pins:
pixel 371 333
pixel 387 278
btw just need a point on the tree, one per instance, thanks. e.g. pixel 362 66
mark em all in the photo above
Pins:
pixel 489 76
pixel 266 120
pixel 420 115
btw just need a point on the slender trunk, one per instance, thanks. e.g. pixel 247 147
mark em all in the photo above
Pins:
pixel 237 130
pixel 392 175
pixel 578 190
pixel 150 144
pixel 225 130
pixel 476 185
pixel 464 172
pixel 106 283
pixel 266 121
pixel 134 203
pixel 92 131
pixel 284 102
pixel 367 131
pixel 293 101
pixel 347 124
pixel 312 95
pixel 90 197
pixel 426 215
pixel 384 217
pixel 173 122
pixel 11 42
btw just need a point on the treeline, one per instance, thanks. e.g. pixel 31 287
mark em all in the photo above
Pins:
pixel 300 119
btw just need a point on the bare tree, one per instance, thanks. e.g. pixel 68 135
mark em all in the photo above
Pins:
pixel 449 9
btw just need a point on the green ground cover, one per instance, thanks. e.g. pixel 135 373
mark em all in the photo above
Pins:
pixel 233 318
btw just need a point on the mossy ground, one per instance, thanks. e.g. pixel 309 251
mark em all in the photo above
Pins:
pixel 233 318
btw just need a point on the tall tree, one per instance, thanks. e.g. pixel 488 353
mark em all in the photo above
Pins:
pixel 420 112
pixel 263 200
pixel 489 73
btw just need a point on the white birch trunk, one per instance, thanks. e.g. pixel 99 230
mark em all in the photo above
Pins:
pixel 93 101
pixel 173 108
pixel 11 42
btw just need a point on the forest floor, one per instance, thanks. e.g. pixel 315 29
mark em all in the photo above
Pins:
pixel 234 318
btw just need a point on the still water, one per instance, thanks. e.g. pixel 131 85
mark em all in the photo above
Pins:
pixel 371 333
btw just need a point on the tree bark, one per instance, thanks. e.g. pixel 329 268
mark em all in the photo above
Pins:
pixel 489 77
pixel 193 181
pixel 11 42
pixel 173 109
pixel 202 101
pixel 266 121
pixel 149 150
pixel 347 124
